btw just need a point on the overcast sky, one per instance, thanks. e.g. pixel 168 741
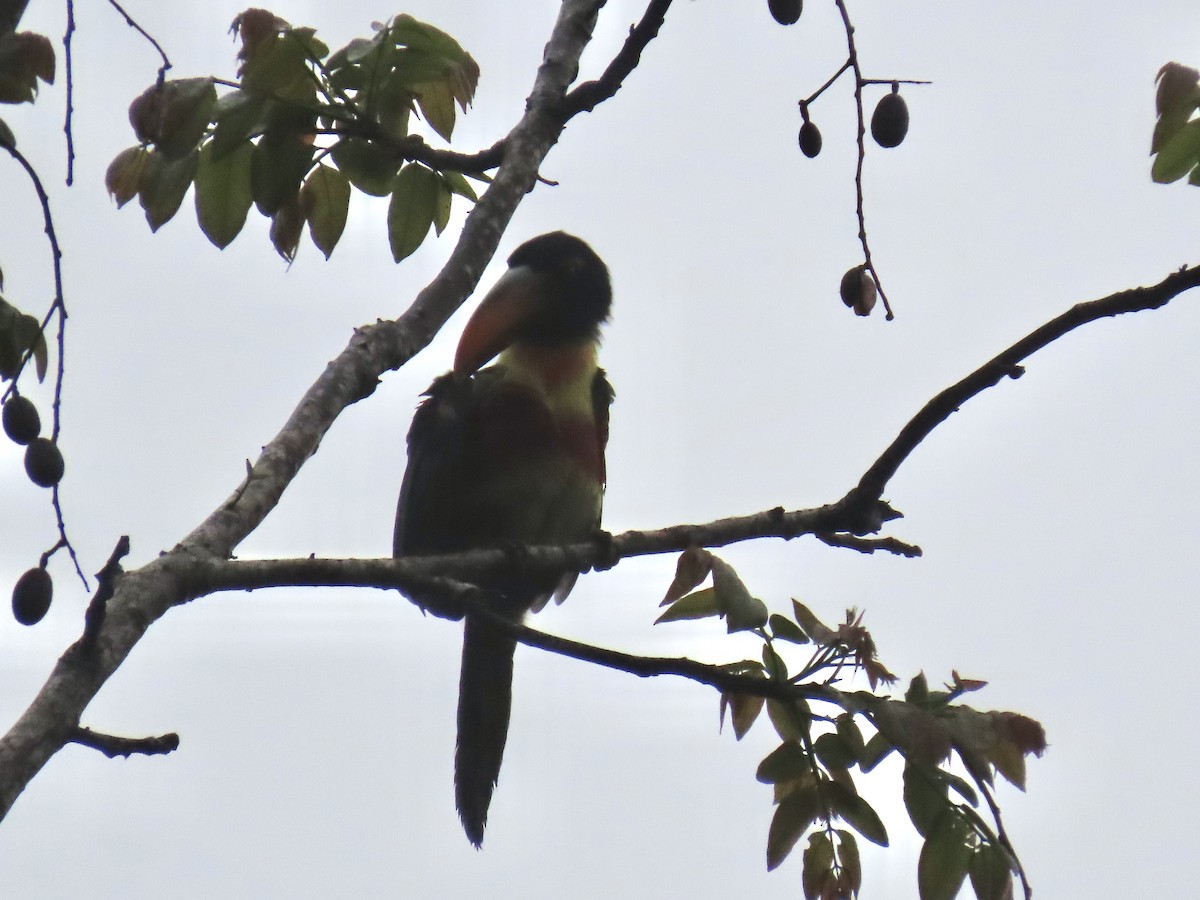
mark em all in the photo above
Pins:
pixel 1057 513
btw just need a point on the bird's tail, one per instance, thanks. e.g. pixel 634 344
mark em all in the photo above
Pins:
pixel 484 705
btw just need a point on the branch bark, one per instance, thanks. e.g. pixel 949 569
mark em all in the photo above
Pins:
pixel 143 595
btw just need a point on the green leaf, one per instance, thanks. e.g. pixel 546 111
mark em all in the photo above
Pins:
pixel 163 185
pixel 699 604
pixel 851 863
pixel 1179 155
pixel 833 752
pixel 818 866
pixel 742 611
pixel 850 733
pixel 991 874
pixel 792 818
pixel 877 749
pixel 279 68
pixel 326 196
pixel 441 217
pixel 437 106
pixel 773 664
pixel 187 108
pixel 925 797
pixel 278 165
pixel 856 811
pixel 459 185
pixel 370 167
pixel 286 227
pixel 744 710
pixel 239 116
pixel 791 720
pixel 20 333
pixel 414 202
pixel 786 762
pixel 784 629
pixel 223 194
pixel 942 867
pixel 24 58
pixel 124 175
pixel 960 785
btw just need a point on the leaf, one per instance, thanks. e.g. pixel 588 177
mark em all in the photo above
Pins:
pixel 833 752
pixel 818 866
pixel 370 167
pixel 697 605
pixel 187 107
pixel 784 629
pixel 877 749
pixel 791 720
pixel 991 874
pixel 239 116
pixel 857 812
pixel 942 867
pixel 223 194
pixel 286 227
pixel 459 185
pixel 742 611
pixel 744 711
pixel 773 664
pixel 24 58
pixel 850 734
pixel 1179 155
pixel 792 818
pixel 326 194
pixel 163 185
pixel 787 762
pixel 437 106
pixel 278 165
pixel 124 175
pixel 851 863
pixel 925 797
pixel 692 567
pixel 411 211
pixel 813 626
pixel 20 333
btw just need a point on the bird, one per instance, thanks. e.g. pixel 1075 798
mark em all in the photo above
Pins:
pixel 510 455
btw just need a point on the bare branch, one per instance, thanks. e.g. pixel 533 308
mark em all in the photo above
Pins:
pixel 1006 365
pixel 591 94
pixel 112 745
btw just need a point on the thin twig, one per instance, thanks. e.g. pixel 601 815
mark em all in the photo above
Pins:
pixel 70 91
pixel 166 63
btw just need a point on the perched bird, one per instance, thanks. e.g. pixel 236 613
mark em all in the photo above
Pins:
pixel 507 455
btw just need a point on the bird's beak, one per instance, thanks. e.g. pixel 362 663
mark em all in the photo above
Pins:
pixel 498 319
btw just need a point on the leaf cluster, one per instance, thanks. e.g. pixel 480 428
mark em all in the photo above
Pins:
pixel 811 771
pixel 298 130
pixel 1175 144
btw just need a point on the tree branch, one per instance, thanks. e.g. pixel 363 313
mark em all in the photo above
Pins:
pixel 112 745
pixel 143 595
pixel 1006 365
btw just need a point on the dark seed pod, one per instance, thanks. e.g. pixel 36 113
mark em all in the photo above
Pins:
pixel 889 122
pixel 858 290
pixel 44 463
pixel 786 12
pixel 810 139
pixel 31 596
pixel 21 420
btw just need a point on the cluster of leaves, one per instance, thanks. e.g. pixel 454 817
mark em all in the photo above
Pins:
pixel 298 130
pixel 1175 144
pixel 811 769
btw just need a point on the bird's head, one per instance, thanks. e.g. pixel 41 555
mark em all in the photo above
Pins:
pixel 555 293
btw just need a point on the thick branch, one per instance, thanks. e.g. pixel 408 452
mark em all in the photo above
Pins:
pixel 145 594
pixel 112 745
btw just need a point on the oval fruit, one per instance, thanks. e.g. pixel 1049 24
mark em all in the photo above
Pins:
pixel 21 420
pixel 786 12
pixel 810 139
pixel 44 463
pixel 889 122
pixel 31 596
pixel 858 290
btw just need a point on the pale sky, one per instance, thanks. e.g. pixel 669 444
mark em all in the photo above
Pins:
pixel 1057 512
